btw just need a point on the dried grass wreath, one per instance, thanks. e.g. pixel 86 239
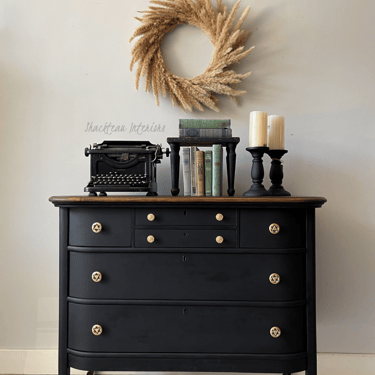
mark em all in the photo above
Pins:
pixel 228 45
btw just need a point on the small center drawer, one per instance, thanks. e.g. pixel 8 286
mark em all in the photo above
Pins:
pixel 155 237
pixel 185 216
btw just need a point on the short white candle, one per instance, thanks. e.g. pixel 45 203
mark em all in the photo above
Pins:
pixel 258 129
pixel 276 132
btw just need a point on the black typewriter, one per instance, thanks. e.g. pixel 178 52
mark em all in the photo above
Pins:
pixel 124 166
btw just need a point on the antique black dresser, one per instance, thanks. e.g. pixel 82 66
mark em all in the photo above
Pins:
pixel 187 284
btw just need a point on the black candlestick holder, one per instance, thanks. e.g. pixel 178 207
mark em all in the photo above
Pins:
pixel 277 173
pixel 257 173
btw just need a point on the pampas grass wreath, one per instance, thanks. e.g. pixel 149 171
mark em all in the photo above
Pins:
pixel 228 41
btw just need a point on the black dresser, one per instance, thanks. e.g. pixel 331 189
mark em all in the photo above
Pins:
pixel 187 284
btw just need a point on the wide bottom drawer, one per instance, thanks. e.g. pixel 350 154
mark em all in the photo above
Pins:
pixel 186 329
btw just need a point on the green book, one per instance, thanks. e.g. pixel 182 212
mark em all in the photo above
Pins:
pixel 204 124
pixel 208 172
pixel 217 171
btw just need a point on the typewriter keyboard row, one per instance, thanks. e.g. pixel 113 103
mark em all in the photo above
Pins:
pixel 120 179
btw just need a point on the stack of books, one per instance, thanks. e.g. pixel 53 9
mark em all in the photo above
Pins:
pixel 203 170
pixel 205 128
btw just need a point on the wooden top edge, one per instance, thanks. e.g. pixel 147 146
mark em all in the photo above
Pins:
pixel 66 200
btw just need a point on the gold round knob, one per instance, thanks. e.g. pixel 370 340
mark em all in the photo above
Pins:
pixel 219 239
pixel 96 277
pixel 275 332
pixel 97 227
pixel 274 228
pixel 150 217
pixel 97 330
pixel 275 278
pixel 219 217
pixel 150 239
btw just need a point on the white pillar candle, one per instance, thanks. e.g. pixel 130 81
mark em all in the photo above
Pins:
pixel 276 132
pixel 258 129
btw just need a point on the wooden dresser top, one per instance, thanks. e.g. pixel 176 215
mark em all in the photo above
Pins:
pixel 128 199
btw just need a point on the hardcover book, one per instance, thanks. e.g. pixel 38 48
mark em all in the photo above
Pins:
pixel 206 133
pixel 204 124
pixel 200 173
pixel 208 173
pixel 186 170
pixel 217 175
pixel 193 170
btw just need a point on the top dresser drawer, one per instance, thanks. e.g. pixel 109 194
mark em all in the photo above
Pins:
pixel 185 216
pixel 273 228
pixel 100 227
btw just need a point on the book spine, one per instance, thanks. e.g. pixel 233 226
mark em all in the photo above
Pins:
pixel 193 170
pixel 186 170
pixel 200 173
pixel 217 156
pixel 204 124
pixel 208 172
pixel 206 133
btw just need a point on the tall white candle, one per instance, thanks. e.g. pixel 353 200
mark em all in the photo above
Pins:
pixel 276 132
pixel 258 129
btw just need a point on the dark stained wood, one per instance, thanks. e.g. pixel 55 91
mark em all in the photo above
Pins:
pixel 64 200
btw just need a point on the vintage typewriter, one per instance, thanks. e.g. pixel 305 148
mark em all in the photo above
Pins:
pixel 124 166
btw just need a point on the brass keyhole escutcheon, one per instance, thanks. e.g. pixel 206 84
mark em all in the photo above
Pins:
pixel 150 239
pixel 96 276
pixel 219 239
pixel 275 332
pixel 275 228
pixel 97 227
pixel 275 278
pixel 97 330
pixel 219 217
pixel 150 217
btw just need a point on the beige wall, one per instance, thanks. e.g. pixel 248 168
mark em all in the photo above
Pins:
pixel 65 63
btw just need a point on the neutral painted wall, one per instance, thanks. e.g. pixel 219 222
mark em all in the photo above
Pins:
pixel 66 63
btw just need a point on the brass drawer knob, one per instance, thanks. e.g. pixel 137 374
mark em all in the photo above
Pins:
pixel 275 228
pixel 219 239
pixel 97 227
pixel 219 217
pixel 150 217
pixel 275 332
pixel 96 277
pixel 275 278
pixel 97 330
pixel 150 239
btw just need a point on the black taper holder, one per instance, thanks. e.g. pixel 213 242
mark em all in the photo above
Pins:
pixel 257 173
pixel 277 173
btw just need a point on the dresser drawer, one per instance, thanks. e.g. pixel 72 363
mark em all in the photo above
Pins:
pixel 100 227
pixel 185 216
pixel 186 329
pixel 191 276
pixel 273 228
pixel 155 238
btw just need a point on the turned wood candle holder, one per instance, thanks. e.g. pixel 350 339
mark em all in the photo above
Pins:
pixel 277 173
pixel 257 173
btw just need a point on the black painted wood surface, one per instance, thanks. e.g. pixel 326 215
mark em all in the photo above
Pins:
pixel 255 232
pixel 116 225
pixel 188 276
pixel 185 302
pixel 186 329
pixel 185 216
